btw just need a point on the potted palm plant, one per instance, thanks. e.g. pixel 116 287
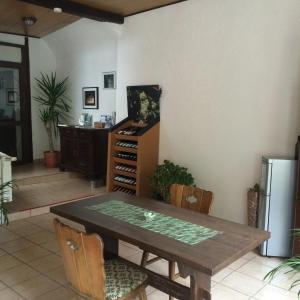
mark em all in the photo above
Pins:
pixel 54 109
pixel 4 192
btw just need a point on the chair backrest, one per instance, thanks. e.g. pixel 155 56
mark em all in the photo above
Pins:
pixel 83 260
pixel 191 197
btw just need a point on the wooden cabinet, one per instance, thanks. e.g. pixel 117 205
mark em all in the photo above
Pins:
pixel 84 150
pixel 132 159
pixel 134 143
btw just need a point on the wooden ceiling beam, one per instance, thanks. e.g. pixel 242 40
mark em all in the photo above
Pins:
pixel 81 10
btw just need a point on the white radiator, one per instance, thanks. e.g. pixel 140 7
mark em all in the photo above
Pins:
pixel 6 174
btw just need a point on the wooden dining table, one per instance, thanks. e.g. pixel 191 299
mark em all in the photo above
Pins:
pixel 199 261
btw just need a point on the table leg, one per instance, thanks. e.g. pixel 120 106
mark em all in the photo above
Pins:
pixel 200 286
pixel 111 245
pixel 200 283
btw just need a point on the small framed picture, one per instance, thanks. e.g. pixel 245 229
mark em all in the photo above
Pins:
pixel 12 96
pixel 90 97
pixel 109 80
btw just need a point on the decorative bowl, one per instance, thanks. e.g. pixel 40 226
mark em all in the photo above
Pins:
pixel 149 216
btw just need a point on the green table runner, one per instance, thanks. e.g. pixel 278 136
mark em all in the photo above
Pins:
pixel 177 229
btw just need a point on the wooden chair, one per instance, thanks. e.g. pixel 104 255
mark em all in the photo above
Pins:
pixel 187 197
pixel 89 275
pixel 192 198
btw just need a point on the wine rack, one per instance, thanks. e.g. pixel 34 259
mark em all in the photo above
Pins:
pixel 132 157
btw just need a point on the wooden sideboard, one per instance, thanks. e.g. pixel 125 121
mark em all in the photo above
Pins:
pixel 84 150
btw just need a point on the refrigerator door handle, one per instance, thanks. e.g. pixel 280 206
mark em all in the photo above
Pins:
pixel 263 219
pixel 266 178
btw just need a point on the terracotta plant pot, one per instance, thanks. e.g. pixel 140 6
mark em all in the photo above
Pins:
pixel 51 159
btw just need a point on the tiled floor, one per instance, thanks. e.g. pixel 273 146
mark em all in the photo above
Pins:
pixel 31 268
pixel 51 192
pixel 34 169
pixel 37 186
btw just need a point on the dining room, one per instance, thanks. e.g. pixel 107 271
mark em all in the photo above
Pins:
pixel 156 146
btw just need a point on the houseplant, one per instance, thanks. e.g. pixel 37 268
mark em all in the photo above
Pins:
pixel 54 109
pixel 4 188
pixel 289 265
pixel 167 174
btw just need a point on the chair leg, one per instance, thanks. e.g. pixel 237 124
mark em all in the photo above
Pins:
pixel 142 295
pixel 172 266
pixel 145 258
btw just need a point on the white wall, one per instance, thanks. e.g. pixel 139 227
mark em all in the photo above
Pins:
pixel 81 51
pixel 84 50
pixel 41 60
pixel 231 87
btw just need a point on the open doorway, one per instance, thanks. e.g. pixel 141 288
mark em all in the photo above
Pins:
pixel 15 102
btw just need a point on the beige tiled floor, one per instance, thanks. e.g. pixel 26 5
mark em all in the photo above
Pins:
pixel 38 187
pixel 52 191
pixel 35 169
pixel 31 268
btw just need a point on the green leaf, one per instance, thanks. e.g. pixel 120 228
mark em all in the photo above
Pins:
pixel 4 188
pixel 290 265
pixel 165 175
pixel 54 104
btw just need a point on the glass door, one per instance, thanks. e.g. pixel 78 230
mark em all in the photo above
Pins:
pixel 10 112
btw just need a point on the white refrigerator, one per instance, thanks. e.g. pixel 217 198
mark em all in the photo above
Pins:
pixel 276 204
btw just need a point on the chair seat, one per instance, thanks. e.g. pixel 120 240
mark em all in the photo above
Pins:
pixel 121 279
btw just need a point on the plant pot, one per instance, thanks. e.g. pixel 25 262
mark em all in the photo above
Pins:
pixel 253 202
pixel 51 159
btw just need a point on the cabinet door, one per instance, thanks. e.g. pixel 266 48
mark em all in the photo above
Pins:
pixel 67 151
pixel 84 159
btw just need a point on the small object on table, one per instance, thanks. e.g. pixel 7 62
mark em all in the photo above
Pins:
pixel 98 125
pixel 149 216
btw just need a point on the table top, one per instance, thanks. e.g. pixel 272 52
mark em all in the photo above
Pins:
pixel 209 256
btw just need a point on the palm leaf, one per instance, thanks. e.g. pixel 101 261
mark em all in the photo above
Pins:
pixel 290 265
pixel 4 188
pixel 53 101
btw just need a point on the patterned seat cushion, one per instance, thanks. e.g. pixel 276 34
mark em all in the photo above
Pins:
pixel 121 279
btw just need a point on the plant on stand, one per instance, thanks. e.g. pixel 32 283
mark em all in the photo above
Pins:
pixel 167 174
pixel 4 197
pixel 54 109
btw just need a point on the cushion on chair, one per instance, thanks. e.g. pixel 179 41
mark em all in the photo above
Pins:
pixel 121 279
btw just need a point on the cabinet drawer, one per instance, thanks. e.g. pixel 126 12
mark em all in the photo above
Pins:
pixel 84 136
pixel 67 132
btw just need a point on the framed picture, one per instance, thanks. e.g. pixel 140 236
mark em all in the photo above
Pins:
pixel 90 97
pixel 143 102
pixel 109 80
pixel 12 97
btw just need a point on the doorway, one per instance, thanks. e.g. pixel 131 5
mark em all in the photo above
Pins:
pixel 15 102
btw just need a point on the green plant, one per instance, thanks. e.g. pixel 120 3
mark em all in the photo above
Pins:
pixel 167 174
pixel 55 104
pixel 255 188
pixel 290 265
pixel 4 188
